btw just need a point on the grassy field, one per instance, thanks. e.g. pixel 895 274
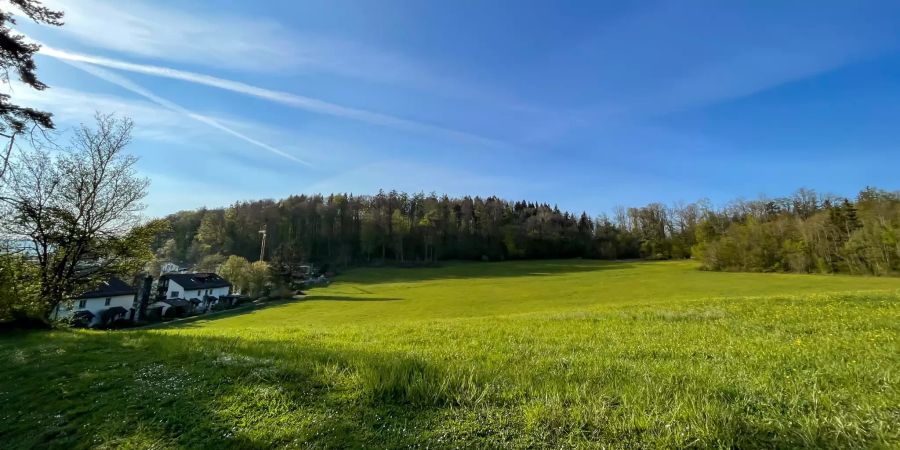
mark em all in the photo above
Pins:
pixel 484 355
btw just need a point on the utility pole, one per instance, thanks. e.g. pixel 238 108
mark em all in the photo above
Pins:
pixel 262 248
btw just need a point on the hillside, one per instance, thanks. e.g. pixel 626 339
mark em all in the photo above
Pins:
pixel 566 353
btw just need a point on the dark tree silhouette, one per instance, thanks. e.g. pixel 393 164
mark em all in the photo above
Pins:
pixel 17 56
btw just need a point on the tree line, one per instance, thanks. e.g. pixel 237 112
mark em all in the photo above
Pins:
pixel 346 230
pixel 71 216
pixel 805 232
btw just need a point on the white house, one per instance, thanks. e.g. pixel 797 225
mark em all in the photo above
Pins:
pixel 112 299
pixel 170 267
pixel 191 285
pixel 188 292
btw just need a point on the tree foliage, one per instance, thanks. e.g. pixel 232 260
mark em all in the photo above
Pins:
pixel 19 288
pixel 345 230
pixel 258 276
pixel 236 270
pixel 801 233
pixel 17 55
pixel 805 233
pixel 79 210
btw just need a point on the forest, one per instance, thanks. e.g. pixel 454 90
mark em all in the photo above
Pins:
pixel 805 233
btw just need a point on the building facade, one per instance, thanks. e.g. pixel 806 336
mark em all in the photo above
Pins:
pixel 111 299
pixel 191 285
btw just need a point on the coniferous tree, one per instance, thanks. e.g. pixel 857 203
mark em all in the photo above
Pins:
pixel 17 56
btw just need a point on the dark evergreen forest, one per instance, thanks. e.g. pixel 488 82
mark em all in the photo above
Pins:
pixel 805 232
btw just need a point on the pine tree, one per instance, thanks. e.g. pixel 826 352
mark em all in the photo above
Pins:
pixel 17 56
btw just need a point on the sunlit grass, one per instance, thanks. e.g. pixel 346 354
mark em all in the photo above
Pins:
pixel 525 354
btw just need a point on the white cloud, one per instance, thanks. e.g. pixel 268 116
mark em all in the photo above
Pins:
pixel 73 107
pixel 678 59
pixel 154 31
pixel 153 121
pixel 742 75
pixel 127 84
pixel 285 98
pixel 193 34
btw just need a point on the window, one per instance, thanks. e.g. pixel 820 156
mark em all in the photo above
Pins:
pixel 108 299
pixel 174 294
pixel 82 303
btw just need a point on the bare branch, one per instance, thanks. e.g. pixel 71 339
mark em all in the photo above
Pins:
pixel 79 207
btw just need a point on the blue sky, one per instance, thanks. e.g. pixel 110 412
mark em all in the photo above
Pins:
pixel 584 104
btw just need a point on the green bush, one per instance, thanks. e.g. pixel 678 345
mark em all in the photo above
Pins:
pixel 19 287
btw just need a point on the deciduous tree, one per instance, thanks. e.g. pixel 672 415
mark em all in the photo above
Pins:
pixel 80 210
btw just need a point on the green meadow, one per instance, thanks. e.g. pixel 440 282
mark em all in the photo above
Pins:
pixel 561 354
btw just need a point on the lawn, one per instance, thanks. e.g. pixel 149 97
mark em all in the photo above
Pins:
pixel 484 355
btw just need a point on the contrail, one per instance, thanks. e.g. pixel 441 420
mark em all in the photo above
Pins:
pixel 286 98
pixel 133 87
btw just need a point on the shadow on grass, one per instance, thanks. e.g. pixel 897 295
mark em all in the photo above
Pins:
pixel 192 321
pixel 475 270
pixel 209 317
pixel 62 389
pixel 173 389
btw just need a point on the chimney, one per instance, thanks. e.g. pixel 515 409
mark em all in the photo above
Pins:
pixel 144 296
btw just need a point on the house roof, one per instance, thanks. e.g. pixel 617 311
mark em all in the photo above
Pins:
pixel 83 314
pixel 109 288
pixel 190 281
pixel 112 312
pixel 176 302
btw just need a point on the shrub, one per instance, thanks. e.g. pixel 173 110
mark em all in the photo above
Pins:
pixel 19 287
